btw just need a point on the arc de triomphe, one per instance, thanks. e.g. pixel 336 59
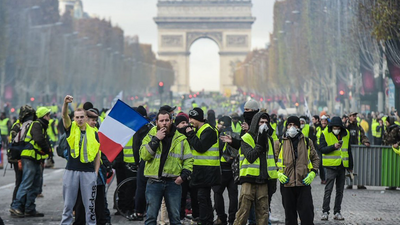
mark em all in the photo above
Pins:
pixel 181 22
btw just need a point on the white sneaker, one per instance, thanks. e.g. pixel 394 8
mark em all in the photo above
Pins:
pixel 338 216
pixel 325 216
pixel 273 219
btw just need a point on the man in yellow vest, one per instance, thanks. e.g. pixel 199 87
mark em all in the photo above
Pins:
pixel 227 181
pixel 36 150
pixel 169 163
pixel 206 165
pixel 337 158
pixel 357 137
pixel 257 166
pixel 82 165
pixel 297 163
pixel 319 130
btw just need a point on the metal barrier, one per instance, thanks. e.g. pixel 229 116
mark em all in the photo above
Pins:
pixel 376 166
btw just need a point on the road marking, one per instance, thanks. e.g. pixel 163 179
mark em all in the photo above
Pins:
pixel 44 175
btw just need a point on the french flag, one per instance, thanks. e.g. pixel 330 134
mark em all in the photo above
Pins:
pixel 118 128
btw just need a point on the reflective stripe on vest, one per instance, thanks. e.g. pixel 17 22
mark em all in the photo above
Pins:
pixel 3 126
pixel 32 148
pixel 335 158
pixel 128 152
pixel 211 156
pixel 253 169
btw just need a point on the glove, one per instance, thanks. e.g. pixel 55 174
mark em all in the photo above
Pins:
pixel 309 178
pixel 283 178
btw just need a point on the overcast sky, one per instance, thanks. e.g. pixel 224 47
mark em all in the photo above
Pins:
pixel 135 17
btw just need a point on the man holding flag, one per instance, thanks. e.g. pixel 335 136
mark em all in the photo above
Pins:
pixel 82 166
pixel 169 163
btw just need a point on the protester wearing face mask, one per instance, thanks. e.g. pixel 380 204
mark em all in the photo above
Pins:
pixel 257 166
pixel 306 129
pixel 297 163
pixel 336 158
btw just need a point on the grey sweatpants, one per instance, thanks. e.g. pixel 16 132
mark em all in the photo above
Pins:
pixel 72 182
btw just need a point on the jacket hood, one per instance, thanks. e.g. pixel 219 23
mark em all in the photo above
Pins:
pixel 391 120
pixel 337 122
pixel 254 122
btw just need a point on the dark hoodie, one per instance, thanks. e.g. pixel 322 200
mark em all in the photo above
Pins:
pixel 259 151
pixel 325 149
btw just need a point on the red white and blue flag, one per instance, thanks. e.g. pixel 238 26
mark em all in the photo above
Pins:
pixel 118 128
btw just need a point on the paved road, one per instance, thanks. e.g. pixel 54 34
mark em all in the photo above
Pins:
pixel 371 206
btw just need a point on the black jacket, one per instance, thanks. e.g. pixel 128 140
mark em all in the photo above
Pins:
pixel 204 176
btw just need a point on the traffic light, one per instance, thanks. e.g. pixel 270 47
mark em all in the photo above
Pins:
pixel 160 87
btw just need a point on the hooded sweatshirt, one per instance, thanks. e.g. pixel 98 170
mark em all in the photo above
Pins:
pixel 259 151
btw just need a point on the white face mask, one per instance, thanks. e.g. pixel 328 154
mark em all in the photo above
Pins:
pixel 292 132
pixel 263 127
pixel 336 132
pixel 302 126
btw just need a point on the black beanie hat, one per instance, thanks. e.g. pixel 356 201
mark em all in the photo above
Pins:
pixel 141 110
pixel 197 114
pixel 293 119
pixel 180 118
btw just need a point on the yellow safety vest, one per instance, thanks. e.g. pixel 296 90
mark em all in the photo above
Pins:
pixel 236 128
pixel 336 157
pixel 52 135
pixel 179 156
pixel 3 126
pixel 306 130
pixel 375 124
pixel 89 146
pixel 128 152
pixel 274 136
pixel 32 148
pixel 281 164
pixel 253 169
pixel 211 156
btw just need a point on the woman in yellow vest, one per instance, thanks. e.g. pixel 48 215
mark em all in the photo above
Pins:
pixel 336 158
pixel 297 163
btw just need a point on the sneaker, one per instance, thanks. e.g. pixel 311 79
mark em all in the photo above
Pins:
pixel 323 182
pixel 40 195
pixel 338 216
pixel 325 216
pixel 273 219
pixel 218 221
pixel 34 214
pixel 16 213
pixel 349 187
pixel 361 187
pixel 391 188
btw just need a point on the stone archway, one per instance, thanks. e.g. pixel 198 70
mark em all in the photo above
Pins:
pixel 181 22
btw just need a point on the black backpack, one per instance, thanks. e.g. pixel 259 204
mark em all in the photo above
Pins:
pixel 62 145
pixel 18 144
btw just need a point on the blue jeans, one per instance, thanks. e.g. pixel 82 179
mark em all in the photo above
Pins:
pixel 29 187
pixel 155 191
